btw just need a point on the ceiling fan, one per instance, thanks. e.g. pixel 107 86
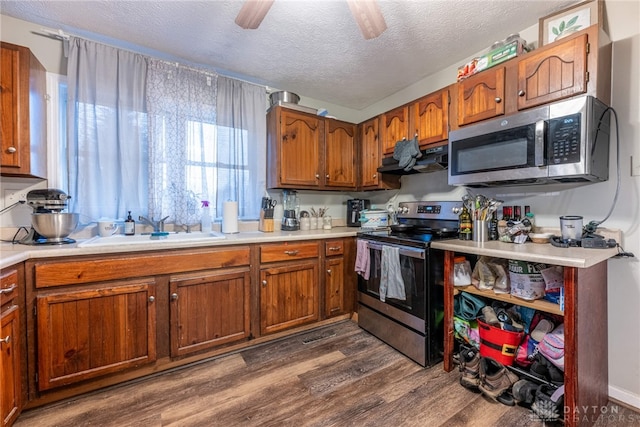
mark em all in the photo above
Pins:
pixel 366 13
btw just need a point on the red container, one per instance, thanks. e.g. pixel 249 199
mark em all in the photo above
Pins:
pixel 498 344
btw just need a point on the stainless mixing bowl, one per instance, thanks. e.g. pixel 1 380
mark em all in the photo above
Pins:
pixel 54 226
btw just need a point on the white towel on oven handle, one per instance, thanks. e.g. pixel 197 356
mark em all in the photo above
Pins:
pixel 391 282
pixel 363 262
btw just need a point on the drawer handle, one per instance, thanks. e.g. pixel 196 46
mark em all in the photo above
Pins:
pixel 334 248
pixel 291 253
pixel 9 289
pixel 6 339
pixel 152 298
pixel 174 296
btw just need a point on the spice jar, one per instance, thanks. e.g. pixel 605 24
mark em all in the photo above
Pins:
pixel 326 223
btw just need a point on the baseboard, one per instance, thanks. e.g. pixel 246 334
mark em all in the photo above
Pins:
pixel 625 397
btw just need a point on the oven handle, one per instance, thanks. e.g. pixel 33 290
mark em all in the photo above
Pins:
pixel 404 250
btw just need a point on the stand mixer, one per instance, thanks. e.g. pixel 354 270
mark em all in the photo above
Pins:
pixel 49 225
pixel 291 206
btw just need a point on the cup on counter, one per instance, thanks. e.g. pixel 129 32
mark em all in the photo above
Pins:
pixel 480 230
pixel 107 227
pixel 305 223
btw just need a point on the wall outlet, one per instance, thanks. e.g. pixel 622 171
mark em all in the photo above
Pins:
pixel 635 165
pixel 14 196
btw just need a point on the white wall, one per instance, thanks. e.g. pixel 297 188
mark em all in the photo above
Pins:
pixel 591 201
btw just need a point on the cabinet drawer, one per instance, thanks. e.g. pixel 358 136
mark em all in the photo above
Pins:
pixel 333 247
pixel 8 286
pixel 288 251
pixel 50 274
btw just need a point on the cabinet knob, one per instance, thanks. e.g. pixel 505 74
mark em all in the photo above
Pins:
pixel 264 283
pixel 152 298
pixel 6 339
pixel 317 176
pixel 9 289
pixel 521 92
pixel 11 150
pixel 329 271
pixel 174 296
pixel 327 176
pixel 498 100
pixel 374 176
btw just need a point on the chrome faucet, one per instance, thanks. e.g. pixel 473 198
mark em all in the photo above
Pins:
pixel 157 225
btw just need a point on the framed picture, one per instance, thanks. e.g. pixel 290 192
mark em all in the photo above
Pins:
pixel 568 21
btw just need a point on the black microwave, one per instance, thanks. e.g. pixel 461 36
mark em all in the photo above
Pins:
pixel 563 142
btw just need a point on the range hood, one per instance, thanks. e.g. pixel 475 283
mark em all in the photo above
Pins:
pixel 432 160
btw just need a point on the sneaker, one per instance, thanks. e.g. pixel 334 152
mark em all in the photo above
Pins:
pixel 490 317
pixel 469 363
pixel 524 391
pixel 496 380
pixel 549 402
pixel 546 371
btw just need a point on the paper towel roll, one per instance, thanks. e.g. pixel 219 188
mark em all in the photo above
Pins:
pixel 230 217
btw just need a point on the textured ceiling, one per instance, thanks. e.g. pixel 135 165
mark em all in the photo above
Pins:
pixel 313 48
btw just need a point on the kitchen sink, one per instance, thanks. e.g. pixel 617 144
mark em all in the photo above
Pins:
pixel 145 239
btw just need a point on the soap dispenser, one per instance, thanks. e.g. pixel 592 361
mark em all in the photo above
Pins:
pixel 129 226
pixel 205 222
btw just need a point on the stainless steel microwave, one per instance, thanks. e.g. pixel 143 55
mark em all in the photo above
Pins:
pixel 563 142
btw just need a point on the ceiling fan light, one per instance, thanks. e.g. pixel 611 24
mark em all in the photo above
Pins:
pixel 368 16
pixel 252 13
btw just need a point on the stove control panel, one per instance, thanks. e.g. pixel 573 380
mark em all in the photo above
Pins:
pixel 429 210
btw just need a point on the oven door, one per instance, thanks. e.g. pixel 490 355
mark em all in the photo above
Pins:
pixel 507 149
pixel 413 270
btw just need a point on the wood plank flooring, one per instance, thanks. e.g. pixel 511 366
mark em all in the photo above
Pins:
pixel 338 375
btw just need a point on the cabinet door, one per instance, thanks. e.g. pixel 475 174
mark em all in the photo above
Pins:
pixel 10 368
pixel 430 116
pixel 87 333
pixel 299 149
pixel 340 151
pixel 9 129
pixel 370 153
pixel 394 127
pixel 208 309
pixel 553 73
pixel 334 286
pixel 288 296
pixel 481 96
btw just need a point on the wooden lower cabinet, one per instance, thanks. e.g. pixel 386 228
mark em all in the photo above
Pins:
pixel 338 296
pixel 208 309
pixel 87 333
pixel 10 365
pixel 288 295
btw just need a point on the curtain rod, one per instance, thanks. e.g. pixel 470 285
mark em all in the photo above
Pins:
pixel 64 37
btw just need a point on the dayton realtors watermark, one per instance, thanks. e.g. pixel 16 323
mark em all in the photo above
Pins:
pixel 590 414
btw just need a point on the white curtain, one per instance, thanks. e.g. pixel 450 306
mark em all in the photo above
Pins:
pixel 107 131
pixel 242 138
pixel 182 117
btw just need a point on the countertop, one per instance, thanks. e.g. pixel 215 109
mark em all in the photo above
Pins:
pixel 544 253
pixel 533 252
pixel 14 253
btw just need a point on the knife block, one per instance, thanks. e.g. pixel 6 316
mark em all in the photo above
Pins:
pixel 266 224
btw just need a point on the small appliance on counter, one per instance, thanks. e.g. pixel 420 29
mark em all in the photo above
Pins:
pixel 49 225
pixel 291 206
pixel 354 207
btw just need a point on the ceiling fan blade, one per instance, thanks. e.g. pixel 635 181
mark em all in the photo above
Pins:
pixel 368 16
pixel 252 13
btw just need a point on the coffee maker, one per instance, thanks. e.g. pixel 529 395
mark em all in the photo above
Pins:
pixel 291 207
pixel 354 207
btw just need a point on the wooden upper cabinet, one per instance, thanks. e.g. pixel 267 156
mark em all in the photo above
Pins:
pixel 553 73
pixel 340 154
pixel 394 126
pixel 293 149
pixel 23 124
pixel 481 96
pixel 370 158
pixel 430 118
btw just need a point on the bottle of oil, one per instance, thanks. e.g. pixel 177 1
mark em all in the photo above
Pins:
pixel 465 226
pixel 493 227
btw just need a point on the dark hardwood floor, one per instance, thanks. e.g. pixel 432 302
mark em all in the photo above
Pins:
pixel 338 375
